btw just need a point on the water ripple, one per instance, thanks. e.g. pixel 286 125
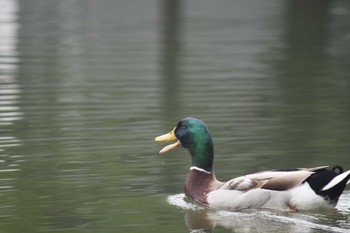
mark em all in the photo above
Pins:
pixel 264 220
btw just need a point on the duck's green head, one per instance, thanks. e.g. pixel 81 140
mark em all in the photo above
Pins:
pixel 193 135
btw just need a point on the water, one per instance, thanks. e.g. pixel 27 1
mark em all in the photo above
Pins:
pixel 85 86
pixel 204 219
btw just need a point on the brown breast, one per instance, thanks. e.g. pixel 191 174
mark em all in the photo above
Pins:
pixel 199 184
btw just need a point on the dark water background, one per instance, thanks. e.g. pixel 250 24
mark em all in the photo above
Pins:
pixel 86 85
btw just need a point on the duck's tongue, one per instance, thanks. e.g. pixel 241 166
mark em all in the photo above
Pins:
pixel 168 137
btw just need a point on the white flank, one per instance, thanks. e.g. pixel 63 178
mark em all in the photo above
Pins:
pixel 304 198
pixel 336 180
pixel 234 200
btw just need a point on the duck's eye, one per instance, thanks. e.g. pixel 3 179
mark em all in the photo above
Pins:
pixel 181 125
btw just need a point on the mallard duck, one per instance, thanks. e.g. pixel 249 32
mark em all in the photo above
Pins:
pixel 293 189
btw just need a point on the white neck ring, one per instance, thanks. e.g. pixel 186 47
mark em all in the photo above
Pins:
pixel 199 169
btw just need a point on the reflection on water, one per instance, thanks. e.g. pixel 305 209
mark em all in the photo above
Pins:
pixel 170 57
pixel 86 85
pixel 10 112
pixel 202 219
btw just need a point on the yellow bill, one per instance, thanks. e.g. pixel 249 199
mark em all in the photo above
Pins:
pixel 168 137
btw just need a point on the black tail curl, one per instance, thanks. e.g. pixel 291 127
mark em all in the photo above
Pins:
pixel 322 177
pixel 339 168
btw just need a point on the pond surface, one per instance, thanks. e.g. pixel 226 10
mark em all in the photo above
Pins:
pixel 86 85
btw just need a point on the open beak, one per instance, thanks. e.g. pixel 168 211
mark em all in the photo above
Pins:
pixel 166 138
